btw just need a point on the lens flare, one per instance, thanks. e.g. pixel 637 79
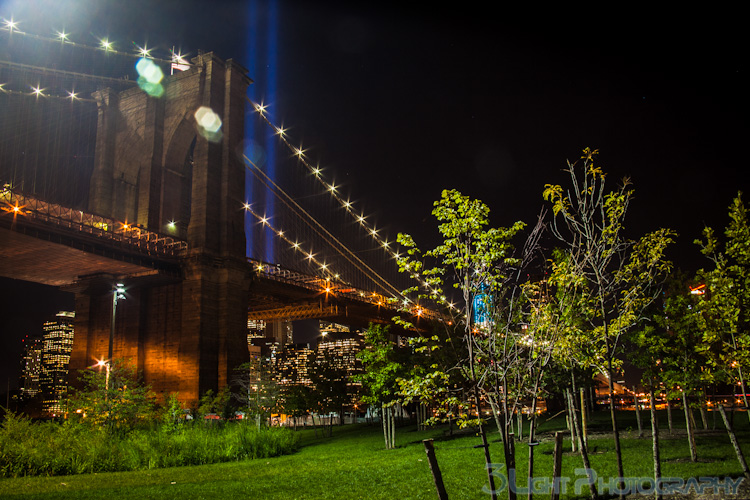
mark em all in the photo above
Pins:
pixel 209 123
pixel 150 76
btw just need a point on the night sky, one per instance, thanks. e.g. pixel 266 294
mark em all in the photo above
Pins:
pixel 397 104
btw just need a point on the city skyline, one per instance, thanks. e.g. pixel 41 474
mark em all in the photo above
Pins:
pixel 403 103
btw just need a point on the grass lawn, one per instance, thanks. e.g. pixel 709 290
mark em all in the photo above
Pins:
pixel 353 465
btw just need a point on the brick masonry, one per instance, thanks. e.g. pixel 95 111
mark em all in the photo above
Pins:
pixel 185 335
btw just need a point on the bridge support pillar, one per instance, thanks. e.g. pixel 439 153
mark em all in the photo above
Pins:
pixel 155 167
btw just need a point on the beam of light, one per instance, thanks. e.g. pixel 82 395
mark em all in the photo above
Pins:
pixel 62 36
pixel 10 25
pixel 37 91
pixel 177 57
pixel 106 44
pixel 72 96
pixel 143 51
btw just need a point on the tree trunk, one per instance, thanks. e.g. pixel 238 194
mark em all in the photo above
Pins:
pixel 383 419
pixel 584 419
pixel 704 414
pixel 689 427
pixel 735 444
pixel 510 465
pixel 613 416
pixel 638 415
pixel 571 427
pixel 655 442
pixel 669 412
pixel 496 415
pixel 532 445
pixel 393 428
pixel 557 466
pixel 582 448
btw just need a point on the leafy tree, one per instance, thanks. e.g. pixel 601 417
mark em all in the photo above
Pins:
pixel 614 276
pixel 296 400
pixel 120 407
pixel 330 387
pixel 172 416
pixel 478 261
pixel 725 310
pixel 383 365
pixel 670 349
pixel 216 404
pixel 256 390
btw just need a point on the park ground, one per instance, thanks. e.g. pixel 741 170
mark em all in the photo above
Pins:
pixel 353 464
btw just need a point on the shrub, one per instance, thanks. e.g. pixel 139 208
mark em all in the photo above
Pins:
pixel 48 448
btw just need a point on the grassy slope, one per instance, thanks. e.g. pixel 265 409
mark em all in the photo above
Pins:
pixel 353 464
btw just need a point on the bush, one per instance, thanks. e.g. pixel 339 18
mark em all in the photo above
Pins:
pixel 49 448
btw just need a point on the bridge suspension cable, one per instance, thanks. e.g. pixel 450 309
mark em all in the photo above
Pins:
pixel 382 243
pixel 342 249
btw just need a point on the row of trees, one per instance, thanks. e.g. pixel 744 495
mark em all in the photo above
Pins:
pixel 119 401
pixel 576 307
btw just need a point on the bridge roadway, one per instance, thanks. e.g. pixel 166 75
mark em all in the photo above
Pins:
pixel 46 243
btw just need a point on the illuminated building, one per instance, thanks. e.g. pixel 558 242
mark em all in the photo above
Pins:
pixel 56 349
pixel 31 367
pixel 293 364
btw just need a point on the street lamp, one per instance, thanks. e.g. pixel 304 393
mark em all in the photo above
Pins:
pixel 117 293
pixel 105 364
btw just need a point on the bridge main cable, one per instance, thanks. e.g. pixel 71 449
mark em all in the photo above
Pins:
pixel 319 228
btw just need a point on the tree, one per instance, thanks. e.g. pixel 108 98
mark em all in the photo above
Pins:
pixel 330 383
pixel 256 389
pixel 668 349
pixel 615 276
pixel 725 310
pixel 478 261
pixel 383 365
pixel 216 404
pixel 118 407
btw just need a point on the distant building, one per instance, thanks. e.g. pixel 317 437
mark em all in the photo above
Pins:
pixel 31 368
pixel 340 349
pixel 57 346
pixel 293 364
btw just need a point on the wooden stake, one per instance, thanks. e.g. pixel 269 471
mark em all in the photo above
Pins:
pixel 435 469
pixel 557 465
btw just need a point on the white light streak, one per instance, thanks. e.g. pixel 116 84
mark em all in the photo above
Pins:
pixel 11 25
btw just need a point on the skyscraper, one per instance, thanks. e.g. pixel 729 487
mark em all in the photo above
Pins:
pixel 57 346
pixel 31 367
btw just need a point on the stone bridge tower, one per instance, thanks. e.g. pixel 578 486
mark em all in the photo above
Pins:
pixel 185 330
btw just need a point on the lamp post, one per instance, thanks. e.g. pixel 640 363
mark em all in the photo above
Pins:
pixel 105 364
pixel 117 293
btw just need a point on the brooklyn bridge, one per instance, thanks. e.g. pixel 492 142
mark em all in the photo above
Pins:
pixel 140 176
